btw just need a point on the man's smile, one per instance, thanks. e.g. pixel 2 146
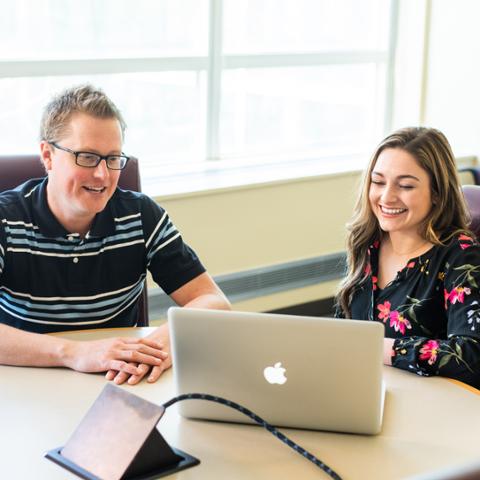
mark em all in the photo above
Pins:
pixel 95 189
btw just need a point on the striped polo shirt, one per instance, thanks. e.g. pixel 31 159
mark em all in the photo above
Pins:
pixel 53 280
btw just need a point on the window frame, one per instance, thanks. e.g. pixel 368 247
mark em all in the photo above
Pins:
pixel 213 64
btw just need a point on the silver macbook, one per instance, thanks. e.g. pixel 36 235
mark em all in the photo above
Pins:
pixel 293 371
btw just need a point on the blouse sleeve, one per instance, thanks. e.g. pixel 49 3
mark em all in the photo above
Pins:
pixel 457 356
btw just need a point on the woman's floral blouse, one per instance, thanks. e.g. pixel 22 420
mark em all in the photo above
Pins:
pixel 432 309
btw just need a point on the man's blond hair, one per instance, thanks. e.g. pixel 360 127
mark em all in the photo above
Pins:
pixel 79 99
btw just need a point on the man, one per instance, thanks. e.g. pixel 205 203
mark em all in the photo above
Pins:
pixel 75 250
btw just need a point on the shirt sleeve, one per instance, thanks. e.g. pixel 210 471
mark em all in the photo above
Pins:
pixel 170 260
pixel 457 356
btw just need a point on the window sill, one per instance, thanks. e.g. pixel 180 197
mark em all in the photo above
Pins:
pixel 218 177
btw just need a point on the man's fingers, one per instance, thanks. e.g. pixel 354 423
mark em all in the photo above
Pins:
pixel 132 350
pixel 126 357
pixel 154 352
pixel 155 373
pixel 134 379
pixel 119 366
pixel 142 341
pixel 131 379
pixel 121 377
pixel 138 357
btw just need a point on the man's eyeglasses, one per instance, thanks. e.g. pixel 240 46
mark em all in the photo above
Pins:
pixel 91 160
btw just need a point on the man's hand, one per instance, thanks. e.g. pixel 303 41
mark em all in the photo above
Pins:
pixel 201 292
pixel 161 337
pixel 143 369
pixel 120 354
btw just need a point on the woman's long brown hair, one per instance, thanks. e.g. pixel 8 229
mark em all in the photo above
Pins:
pixel 448 215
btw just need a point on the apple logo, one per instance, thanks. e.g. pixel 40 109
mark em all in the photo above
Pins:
pixel 275 374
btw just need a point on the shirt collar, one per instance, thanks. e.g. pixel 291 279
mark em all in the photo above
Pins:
pixel 102 226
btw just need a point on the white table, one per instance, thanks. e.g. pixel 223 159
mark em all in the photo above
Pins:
pixel 429 423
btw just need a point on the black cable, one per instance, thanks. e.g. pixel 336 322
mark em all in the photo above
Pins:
pixel 260 421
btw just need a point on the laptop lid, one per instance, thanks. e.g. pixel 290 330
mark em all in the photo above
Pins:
pixel 293 371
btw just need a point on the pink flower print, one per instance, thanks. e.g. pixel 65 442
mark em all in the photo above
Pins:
pixel 429 351
pixel 384 310
pixel 399 322
pixel 411 265
pixel 458 294
pixel 462 291
pixel 374 283
pixel 376 244
pixel 465 238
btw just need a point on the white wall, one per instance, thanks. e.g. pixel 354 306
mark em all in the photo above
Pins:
pixel 452 101
pixel 437 78
pixel 259 225
pixel 248 227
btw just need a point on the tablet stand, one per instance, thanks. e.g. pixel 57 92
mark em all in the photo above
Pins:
pixel 118 440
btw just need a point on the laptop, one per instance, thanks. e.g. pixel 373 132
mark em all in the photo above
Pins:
pixel 293 371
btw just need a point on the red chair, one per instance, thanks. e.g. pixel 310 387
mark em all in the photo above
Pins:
pixel 16 169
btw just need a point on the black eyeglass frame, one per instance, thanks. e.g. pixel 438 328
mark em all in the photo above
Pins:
pixel 99 157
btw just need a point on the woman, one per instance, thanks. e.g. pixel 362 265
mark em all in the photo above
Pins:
pixel 413 264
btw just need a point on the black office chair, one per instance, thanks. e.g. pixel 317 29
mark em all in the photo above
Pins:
pixel 16 169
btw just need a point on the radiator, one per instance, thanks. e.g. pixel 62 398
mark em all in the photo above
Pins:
pixel 259 282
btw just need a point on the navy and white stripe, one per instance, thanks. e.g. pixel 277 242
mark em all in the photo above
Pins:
pixel 51 279
pixel 165 232
pixel 63 311
pixel 28 239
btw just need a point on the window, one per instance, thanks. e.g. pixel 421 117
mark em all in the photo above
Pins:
pixel 206 84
